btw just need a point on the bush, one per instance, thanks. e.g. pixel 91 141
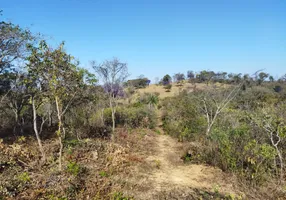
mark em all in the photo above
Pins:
pixel 138 83
pixel 181 117
pixel 168 87
pixel 74 168
pixel 133 117
pixel 235 143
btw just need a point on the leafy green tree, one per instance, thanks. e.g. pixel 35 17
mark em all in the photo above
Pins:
pixel 190 75
pixel 237 78
pixel 261 77
pixel 271 78
pixel 13 41
pixel 17 98
pixel 206 76
pixel 60 78
pixel 179 77
pixel 167 79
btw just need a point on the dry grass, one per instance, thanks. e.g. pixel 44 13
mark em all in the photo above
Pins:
pixel 139 164
pixel 175 90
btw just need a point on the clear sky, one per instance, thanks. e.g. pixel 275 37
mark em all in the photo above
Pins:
pixel 156 37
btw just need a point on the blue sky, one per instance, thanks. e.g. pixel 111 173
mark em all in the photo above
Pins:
pixel 156 37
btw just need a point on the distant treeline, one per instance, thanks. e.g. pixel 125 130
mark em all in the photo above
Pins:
pixel 205 76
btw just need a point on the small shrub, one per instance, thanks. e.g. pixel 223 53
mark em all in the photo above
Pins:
pixel 120 196
pixel 24 177
pixel 74 168
pixel 168 87
pixel 103 174
pixel 132 117
pixel 157 164
pixel 277 88
pixel 72 142
pixel 187 157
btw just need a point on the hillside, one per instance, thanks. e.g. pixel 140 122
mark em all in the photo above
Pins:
pixel 69 131
pixel 176 88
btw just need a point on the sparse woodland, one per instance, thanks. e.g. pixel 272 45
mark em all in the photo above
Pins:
pixel 70 133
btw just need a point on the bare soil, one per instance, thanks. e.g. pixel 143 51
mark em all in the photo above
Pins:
pixel 170 178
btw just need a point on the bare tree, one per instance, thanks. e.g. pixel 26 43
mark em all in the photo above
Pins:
pixel 274 128
pixel 212 104
pixel 113 74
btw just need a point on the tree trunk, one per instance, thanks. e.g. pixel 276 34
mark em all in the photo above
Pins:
pixel 275 144
pixel 112 117
pixel 102 116
pixel 16 122
pixel 211 121
pixel 113 124
pixel 36 130
pixel 281 162
pixel 59 132
pixel 208 130
pixel 50 117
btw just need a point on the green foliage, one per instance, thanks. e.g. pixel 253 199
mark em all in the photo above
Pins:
pixel 52 197
pixel 13 41
pixel 133 117
pixel 168 87
pixel 166 80
pixel 120 196
pixel 248 137
pixel 103 174
pixel 72 142
pixel 150 99
pixel 74 168
pixel 24 177
pixel 181 118
pixel 238 141
pixel 186 157
pixel 138 83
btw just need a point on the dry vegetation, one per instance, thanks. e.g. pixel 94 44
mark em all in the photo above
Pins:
pixel 140 164
pixel 64 136
pixel 175 90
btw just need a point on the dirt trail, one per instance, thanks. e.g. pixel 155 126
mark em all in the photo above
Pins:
pixel 172 174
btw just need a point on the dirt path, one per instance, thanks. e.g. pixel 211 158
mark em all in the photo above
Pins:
pixel 171 174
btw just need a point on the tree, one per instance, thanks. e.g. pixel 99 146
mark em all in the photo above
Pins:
pixel 190 75
pixel 113 74
pixel 274 126
pixel 205 76
pixel 261 77
pixel 138 83
pixel 17 98
pixel 166 79
pixel 212 103
pixel 179 77
pixel 13 41
pixel 237 78
pixel 271 79
pixel 57 74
